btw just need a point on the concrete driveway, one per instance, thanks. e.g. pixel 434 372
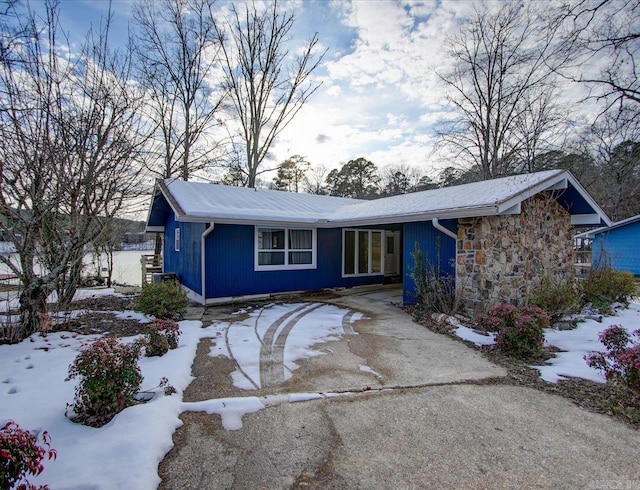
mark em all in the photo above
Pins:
pixel 419 413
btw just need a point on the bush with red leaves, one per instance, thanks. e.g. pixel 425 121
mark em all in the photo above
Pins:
pixel 20 454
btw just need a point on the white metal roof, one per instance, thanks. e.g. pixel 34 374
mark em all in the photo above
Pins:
pixel 209 202
pixel 219 202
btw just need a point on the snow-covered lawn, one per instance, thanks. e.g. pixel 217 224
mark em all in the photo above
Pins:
pixel 574 344
pixel 125 453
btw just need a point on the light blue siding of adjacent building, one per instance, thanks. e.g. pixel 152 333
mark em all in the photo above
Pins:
pixel 435 245
pixel 619 247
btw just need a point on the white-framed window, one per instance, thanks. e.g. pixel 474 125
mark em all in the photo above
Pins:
pixel 362 253
pixel 176 240
pixel 285 248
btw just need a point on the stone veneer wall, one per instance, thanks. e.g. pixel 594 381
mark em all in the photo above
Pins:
pixel 503 258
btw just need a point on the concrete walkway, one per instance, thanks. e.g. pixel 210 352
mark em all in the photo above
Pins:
pixel 423 418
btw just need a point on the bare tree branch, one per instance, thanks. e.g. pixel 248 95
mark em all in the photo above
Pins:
pixel 266 89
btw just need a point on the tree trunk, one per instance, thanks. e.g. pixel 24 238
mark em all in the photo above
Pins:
pixel 109 266
pixel 33 308
pixel 65 296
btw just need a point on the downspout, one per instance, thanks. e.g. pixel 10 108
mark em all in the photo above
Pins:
pixel 446 231
pixel 203 237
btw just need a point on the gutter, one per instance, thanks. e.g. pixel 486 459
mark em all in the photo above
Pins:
pixel 203 237
pixel 446 231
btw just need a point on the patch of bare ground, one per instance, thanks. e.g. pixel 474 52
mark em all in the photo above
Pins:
pixel 609 399
pixel 100 315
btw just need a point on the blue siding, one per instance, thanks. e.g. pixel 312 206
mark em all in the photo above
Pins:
pixel 621 247
pixel 434 244
pixel 230 265
pixel 186 262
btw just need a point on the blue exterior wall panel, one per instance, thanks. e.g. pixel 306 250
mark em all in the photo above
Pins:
pixel 230 265
pixel 620 247
pixel 186 262
pixel 434 245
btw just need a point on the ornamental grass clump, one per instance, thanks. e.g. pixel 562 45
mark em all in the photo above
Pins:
pixel 557 298
pixel 21 454
pixel 163 300
pixel 109 379
pixel 519 330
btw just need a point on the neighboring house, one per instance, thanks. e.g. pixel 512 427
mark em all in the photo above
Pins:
pixel 617 245
pixel 498 237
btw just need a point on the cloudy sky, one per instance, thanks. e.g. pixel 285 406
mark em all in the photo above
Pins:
pixel 380 97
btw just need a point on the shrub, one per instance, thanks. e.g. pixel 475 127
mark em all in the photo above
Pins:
pixel 155 344
pixel 435 291
pixel 621 362
pixel 163 300
pixel 556 298
pixel 519 330
pixel 605 285
pixel 109 378
pixel 163 335
pixel 20 454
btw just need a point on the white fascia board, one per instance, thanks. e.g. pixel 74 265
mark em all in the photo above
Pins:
pixel 308 223
pixel 560 185
pixel 585 219
pixel 555 182
pixel 411 218
pixel 170 200
pixel 594 205
pixel 515 209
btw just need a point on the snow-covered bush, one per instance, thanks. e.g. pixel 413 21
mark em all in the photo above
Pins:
pixel 621 362
pixel 164 300
pixel 163 335
pixel 109 378
pixel 21 454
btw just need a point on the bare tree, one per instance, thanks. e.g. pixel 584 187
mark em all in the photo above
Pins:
pixel 541 127
pixel 314 180
pixel 601 47
pixel 70 137
pixel 500 72
pixel 267 85
pixel 616 146
pixel 403 179
pixel 177 51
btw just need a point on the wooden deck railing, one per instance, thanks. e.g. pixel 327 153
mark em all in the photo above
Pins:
pixel 151 264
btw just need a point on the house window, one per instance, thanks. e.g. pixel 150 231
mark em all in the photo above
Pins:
pixel 361 252
pixel 285 248
pixel 176 240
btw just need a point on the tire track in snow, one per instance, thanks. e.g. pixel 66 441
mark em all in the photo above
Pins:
pixel 346 322
pixel 226 339
pixel 271 357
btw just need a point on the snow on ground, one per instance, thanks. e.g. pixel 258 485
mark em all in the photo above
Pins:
pixel 466 333
pixel 9 300
pixel 295 328
pixel 574 344
pixel 578 342
pixel 126 452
